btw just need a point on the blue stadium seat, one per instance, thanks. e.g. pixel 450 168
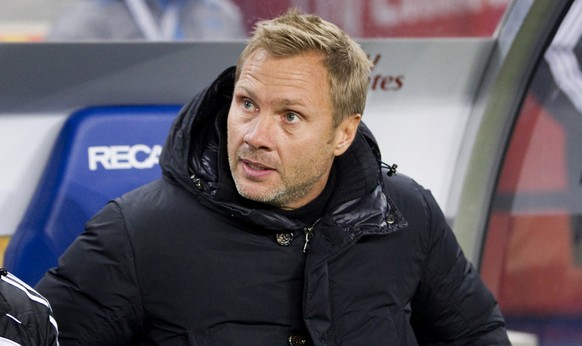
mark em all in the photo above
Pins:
pixel 100 153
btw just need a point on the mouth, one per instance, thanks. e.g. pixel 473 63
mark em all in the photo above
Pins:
pixel 256 165
pixel 254 169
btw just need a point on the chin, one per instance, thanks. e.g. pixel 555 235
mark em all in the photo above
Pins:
pixel 253 193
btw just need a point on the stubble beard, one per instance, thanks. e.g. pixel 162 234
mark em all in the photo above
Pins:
pixel 293 187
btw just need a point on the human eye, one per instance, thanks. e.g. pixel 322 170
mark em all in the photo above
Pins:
pixel 291 117
pixel 248 105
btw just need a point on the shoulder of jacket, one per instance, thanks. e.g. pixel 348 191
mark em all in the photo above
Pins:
pixel 402 186
pixel 141 195
pixel 157 198
pixel 19 294
pixel 26 305
pixel 410 197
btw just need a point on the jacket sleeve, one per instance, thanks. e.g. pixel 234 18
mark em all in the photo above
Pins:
pixel 25 316
pixel 452 305
pixel 93 291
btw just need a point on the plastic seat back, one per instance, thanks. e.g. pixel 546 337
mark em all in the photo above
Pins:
pixel 99 154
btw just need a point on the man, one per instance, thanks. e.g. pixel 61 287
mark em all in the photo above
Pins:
pixel 274 223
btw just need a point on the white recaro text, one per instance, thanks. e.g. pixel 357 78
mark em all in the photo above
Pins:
pixel 138 156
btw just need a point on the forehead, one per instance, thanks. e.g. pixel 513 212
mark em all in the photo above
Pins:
pixel 302 74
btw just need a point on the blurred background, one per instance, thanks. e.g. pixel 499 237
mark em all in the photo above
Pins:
pixel 32 20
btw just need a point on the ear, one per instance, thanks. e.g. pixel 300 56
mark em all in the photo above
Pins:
pixel 345 133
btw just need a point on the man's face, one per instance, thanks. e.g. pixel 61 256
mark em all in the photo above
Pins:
pixel 281 142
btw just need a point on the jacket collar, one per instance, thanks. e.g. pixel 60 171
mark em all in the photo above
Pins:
pixel 194 157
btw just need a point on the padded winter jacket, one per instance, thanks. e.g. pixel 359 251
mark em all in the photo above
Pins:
pixel 186 261
pixel 25 316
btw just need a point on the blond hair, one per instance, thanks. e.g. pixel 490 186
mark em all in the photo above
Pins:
pixel 296 33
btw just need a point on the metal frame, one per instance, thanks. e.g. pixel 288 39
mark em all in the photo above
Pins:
pixel 524 34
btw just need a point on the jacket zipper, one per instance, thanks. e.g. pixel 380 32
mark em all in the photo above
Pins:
pixel 196 181
pixel 308 230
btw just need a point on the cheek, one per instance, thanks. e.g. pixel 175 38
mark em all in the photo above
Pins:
pixel 300 153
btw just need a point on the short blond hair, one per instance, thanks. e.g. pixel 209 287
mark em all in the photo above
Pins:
pixel 295 33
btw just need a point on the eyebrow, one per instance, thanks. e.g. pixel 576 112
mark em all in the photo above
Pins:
pixel 246 90
pixel 283 101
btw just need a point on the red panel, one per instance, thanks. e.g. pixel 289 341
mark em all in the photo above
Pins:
pixel 536 159
pixel 392 18
pixel 538 272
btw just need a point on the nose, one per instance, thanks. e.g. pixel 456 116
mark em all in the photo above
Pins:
pixel 260 131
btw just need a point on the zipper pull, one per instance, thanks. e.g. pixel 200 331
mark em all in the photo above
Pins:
pixel 196 181
pixel 308 235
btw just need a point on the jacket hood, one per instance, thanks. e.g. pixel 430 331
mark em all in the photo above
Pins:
pixel 194 157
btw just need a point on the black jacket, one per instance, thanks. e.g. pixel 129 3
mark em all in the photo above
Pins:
pixel 186 261
pixel 25 316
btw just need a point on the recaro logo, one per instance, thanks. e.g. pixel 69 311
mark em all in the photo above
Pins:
pixel 138 156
